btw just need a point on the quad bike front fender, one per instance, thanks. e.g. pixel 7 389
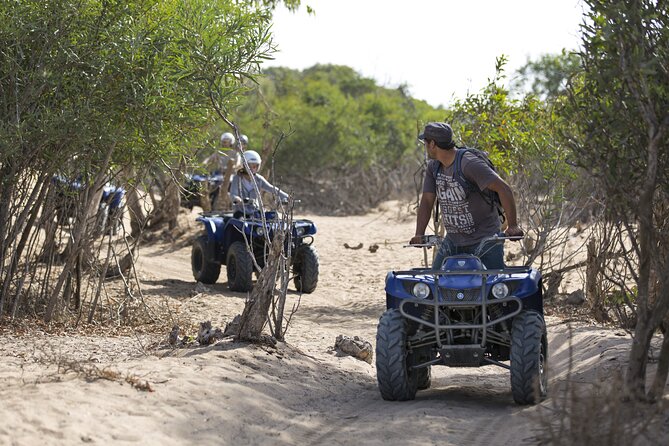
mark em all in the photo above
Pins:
pixel 213 226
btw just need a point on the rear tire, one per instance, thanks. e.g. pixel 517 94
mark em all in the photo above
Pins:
pixel 239 267
pixel 397 382
pixel 205 268
pixel 305 269
pixel 529 352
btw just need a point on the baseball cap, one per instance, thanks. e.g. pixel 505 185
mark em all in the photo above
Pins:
pixel 438 131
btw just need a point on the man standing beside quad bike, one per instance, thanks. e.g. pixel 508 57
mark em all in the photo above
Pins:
pixel 468 309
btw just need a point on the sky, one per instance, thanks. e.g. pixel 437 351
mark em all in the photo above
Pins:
pixel 441 49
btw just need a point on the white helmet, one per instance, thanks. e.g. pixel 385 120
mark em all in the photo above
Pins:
pixel 227 139
pixel 244 140
pixel 252 157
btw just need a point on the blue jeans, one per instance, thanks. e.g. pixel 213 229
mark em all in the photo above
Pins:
pixel 492 253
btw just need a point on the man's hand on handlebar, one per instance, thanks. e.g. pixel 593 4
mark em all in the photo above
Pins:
pixel 514 231
pixel 424 241
pixel 416 240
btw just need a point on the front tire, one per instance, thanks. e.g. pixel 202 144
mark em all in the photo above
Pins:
pixel 529 352
pixel 101 219
pixel 115 220
pixel 424 374
pixel 239 267
pixel 397 382
pixel 305 269
pixel 205 268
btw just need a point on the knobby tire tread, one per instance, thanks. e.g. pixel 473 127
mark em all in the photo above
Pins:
pixel 205 269
pixel 394 380
pixel 528 337
pixel 240 259
pixel 306 269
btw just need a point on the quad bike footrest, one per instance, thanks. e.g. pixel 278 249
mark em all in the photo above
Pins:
pixel 462 355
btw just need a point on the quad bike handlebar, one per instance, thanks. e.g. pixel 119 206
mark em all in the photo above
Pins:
pixel 254 202
pixel 428 241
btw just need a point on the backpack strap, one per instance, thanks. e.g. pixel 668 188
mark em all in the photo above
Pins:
pixel 458 173
pixel 435 210
pixel 491 197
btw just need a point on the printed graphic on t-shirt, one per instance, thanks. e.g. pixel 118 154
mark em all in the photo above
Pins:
pixel 455 211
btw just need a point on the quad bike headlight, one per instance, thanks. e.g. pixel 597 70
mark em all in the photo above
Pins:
pixel 420 290
pixel 500 290
pixel 300 231
pixel 260 231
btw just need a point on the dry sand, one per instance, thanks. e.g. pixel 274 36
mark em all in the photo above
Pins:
pixel 301 392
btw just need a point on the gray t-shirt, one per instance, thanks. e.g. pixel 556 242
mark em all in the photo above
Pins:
pixel 466 219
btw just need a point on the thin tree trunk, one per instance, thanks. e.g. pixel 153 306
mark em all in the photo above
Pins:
pixel 636 369
pixel 223 198
pixel 167 209
pixel 7 185
pixel 77 293
pixel 660 293
pixel 170 203
pixel 660 382
pixel 256 310
pixel 137 217
pixel 284 264
pixel 635 378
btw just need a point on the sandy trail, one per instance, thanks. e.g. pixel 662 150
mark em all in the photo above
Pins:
pixel 299 393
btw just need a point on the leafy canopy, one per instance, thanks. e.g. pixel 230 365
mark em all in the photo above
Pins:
pixel 138 76
pixel 334 118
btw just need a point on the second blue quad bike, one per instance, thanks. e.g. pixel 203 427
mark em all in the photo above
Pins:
pixel 195 183
pixel 110 213
pixel 462 315
pixel 109 217
pixel 236 241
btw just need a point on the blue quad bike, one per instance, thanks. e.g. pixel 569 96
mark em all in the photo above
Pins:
pixel 226 239
pixel 462 315
pixel 111 210
pixel 190 193
pixel 109 217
